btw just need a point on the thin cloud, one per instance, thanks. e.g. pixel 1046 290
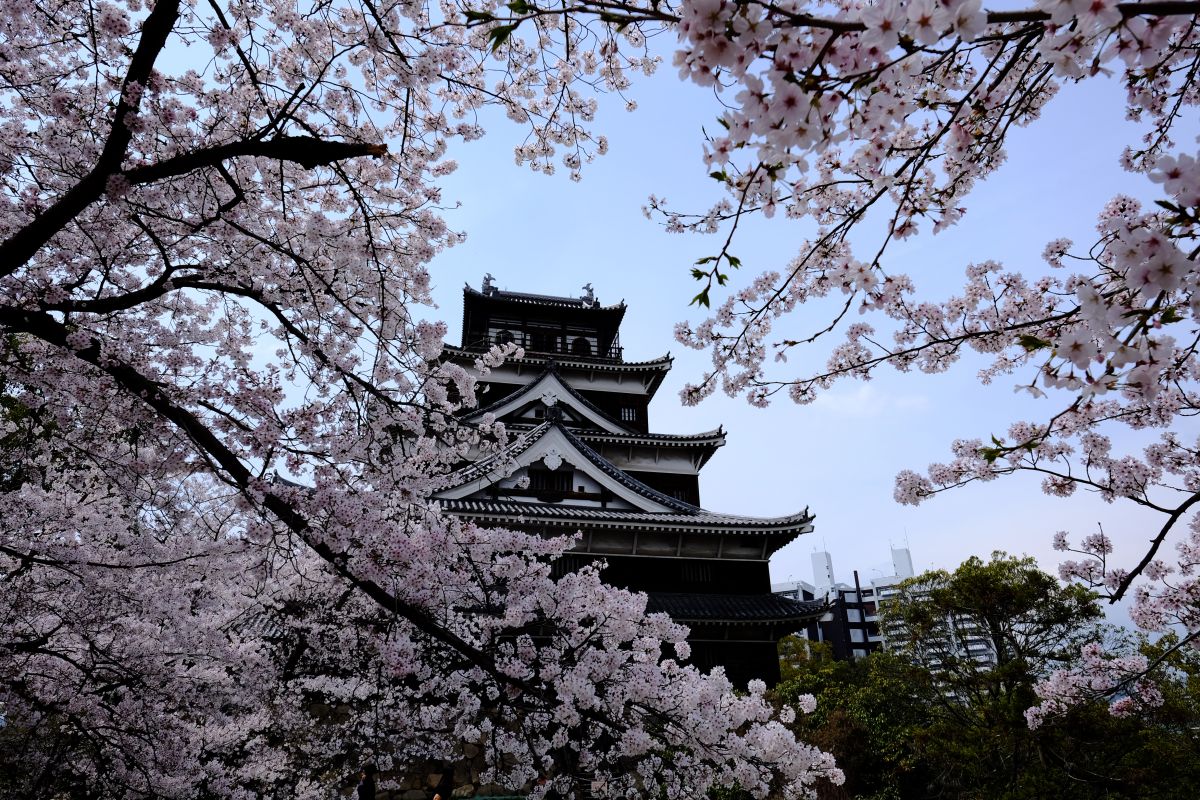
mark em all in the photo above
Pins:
pixel 867 401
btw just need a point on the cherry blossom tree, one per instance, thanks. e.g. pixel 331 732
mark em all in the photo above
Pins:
pixel 841 112
pixel 217 221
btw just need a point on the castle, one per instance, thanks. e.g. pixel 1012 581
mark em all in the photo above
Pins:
pixel 586 461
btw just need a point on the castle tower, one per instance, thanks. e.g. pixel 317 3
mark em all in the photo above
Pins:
pixel 587 461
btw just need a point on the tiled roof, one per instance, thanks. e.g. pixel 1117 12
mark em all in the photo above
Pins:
pixel 713 437
pixel 716 437
pixel 484 465
pixel 543 299
pixel 525 441
pixel 660 364
pixel 612 517
pixel 707 442
pixel 685 607
pixel 682 516
pixel 625 479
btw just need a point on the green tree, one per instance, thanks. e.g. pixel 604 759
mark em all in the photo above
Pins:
pixel 988 629
pixel 986 633
pixel 930 718
pixel 867 714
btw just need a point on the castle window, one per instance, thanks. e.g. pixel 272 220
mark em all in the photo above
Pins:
pixel 696 573
pixel 544 338
pixel 504 337
pixel 544 480
pixel 629 414
pixel 581 346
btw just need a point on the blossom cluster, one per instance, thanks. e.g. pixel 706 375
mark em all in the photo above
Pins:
pixel 222 421
pixel 1095 674
pixel 842 111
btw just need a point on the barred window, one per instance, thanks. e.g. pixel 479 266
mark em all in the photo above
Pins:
pixel 542 480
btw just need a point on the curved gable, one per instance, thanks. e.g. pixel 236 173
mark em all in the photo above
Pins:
pixel 550 390
pixel 552 445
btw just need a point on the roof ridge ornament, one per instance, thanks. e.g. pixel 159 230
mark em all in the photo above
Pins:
pixel 589 296
pixel 489 286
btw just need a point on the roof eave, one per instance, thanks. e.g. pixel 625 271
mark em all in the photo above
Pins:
pixel 550 301
pixel 785 530
pixel 662 364
pixel 798 622
pixel 709 439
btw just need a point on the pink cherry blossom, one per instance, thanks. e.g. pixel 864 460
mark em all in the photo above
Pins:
pixel 916 100
pixel 222 420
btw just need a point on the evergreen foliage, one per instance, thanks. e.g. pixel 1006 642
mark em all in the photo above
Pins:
pixel 918 721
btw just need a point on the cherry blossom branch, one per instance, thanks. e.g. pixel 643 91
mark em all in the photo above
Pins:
pixel 307 151
pixel 628 12
pixel 153 395
pixel 1152 550
pixel 141 340
pixel 64 564
pixel 22 245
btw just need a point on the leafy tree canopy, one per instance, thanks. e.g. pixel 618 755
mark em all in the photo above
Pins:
pixel 921 720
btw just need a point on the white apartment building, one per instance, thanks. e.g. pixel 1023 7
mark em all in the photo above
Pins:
pixel 852 626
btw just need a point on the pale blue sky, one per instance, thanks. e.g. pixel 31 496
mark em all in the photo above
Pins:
pixel 838 456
